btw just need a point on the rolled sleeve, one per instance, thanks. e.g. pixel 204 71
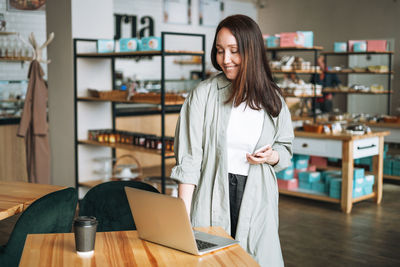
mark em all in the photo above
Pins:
pixel 284 139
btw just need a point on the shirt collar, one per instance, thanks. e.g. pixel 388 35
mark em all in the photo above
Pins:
pixel 222 81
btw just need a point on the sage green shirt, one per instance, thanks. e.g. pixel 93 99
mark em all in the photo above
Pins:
pixel 201 156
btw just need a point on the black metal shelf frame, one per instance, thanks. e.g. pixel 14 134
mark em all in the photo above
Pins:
pixel 389 73
pixel 159 109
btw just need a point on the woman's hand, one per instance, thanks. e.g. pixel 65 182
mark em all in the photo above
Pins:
pixel 268 155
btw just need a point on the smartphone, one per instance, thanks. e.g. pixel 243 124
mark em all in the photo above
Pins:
pixel 261 149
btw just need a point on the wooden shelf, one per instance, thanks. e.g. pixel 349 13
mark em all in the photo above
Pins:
pixel 360 72
pixel 356 53
pixel 309 195
pixel 358 199
pixel 187 62
pixel 126 147
pixel 147 172
pixel 297 71
pixel 352 91
pixel 139 53
pixel 143 101
pixel 391 177
pixel 300 96
pixel 16 59
pixel 8 33
pixel 294 48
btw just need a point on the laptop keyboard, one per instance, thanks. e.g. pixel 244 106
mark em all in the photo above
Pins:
pixel 203 244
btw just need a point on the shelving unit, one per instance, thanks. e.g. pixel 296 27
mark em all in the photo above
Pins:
pixel 155 107
pixel 389 73
pixel 314 50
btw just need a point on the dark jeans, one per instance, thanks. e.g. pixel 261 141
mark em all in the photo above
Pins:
pixel 237 183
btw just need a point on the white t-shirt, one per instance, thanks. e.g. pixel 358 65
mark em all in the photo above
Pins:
pixel 244 130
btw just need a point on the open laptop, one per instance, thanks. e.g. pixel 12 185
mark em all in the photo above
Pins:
pixel 163 220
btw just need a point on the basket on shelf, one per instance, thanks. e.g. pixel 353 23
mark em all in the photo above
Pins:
pixel 109 95
pixel 127 171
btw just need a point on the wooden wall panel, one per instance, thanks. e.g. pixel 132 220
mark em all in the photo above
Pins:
pixel 12 155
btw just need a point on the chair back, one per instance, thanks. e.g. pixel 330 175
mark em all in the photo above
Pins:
pixel 52 213
pixel 108 203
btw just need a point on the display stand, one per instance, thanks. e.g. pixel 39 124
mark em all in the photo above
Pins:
pixel 161 107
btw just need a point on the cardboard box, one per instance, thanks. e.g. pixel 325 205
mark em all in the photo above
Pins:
pixel 376 45
pixel 367 189
pixel 369 179
pixel 358 192
pixel 151 44
pixel 359 182
pixel 129 44
pixel 340 47
pixel 285 174
pixel 312 168
pixel 288 39
pixel 319 161
pixel 358 173
pixel 309 177
pixel 297 171
pixel 360 47
pixel 352 42
pixel 105 46
pixel 304 39
pixel 273 41
pixel 305 185
pixel 288 184
pixel 318 187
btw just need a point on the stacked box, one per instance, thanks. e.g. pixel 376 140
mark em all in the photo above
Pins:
pixel 366 161
pixel 151 43
pixel 312 168
pixel 352 42
pixel 333 159
pixel 358 173
pixel 388 166
pixel 368 184
pixel 105 46
pixel 318 187
pixel 288 184
pixel 300 161
pixel 340 47
pixel 285 174
pixel 396 166
pixel 318 161
pixel 309 177
pixel 376 45
pixel 304 185
pixel 358 192
pixel 129 44
pixel 297 171
pixel 335 188
pixel 359 182
pixel 305 39
pixel 328 177
pixel 360 46
pixel 272 41
pixel 288 39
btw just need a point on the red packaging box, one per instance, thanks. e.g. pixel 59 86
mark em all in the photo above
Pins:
pixel 319 161
pixel 288 184
pixel 288 39
pixel 312 168
pixel 351 43
pixel 376 45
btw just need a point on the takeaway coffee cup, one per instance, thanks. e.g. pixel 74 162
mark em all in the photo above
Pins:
pixel 85 235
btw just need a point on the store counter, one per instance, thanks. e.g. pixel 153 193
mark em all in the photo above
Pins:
pixel 346 147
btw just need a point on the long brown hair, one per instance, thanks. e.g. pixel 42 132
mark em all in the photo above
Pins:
pixel 254 83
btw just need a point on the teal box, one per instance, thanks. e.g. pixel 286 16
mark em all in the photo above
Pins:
pixel 305 185
pixel 340 47
pixel 309 177
pixel 285 174
pixel 105 46
pixel 335 183
pixel 318 186
pixel 151 44
pixel 359 182
pixel 367 189
pixel 358 192
pixel 305 38
pixel 329 177
pixel 129 44
pixel 333 159
pixel 396 172
pixel 335 193
pixel 273 41
pixel 358 173
pixel 299 156
pixel 369 179
pixel 325 174
pixel 360 46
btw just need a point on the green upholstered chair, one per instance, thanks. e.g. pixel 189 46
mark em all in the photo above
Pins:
pixel 108 203
pixel 52 213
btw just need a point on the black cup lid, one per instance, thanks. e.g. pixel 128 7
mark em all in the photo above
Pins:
pixel 85 221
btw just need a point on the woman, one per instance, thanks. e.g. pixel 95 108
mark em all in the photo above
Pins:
pixel 223 121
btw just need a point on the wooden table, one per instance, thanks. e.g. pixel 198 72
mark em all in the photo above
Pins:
pixel 124 248
pixel 15 197
pixel 346 147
